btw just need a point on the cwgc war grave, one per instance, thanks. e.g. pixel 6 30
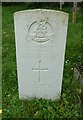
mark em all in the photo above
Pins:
pixel 40 36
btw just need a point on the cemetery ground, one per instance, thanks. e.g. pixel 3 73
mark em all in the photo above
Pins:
pixel 69 104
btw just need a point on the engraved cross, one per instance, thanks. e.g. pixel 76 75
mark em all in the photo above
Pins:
pixel 39 69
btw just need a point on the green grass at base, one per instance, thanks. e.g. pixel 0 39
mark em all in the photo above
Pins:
pixel 69 105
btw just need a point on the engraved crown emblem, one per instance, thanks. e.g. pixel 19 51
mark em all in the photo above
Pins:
pixel 42 31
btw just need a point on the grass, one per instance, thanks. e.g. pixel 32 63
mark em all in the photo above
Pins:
pixel 69 105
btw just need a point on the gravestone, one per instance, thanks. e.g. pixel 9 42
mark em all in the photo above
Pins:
pixel 40 36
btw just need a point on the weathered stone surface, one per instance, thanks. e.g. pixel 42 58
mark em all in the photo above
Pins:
pixel 40 36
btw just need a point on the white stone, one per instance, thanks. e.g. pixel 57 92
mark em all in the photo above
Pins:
pixel 40 36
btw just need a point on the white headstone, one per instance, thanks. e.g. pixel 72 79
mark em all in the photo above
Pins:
pixel 40 36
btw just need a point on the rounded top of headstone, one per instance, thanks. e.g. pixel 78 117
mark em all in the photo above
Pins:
pixel 41 10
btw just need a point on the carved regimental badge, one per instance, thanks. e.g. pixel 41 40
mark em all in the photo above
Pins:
pixel 40 31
